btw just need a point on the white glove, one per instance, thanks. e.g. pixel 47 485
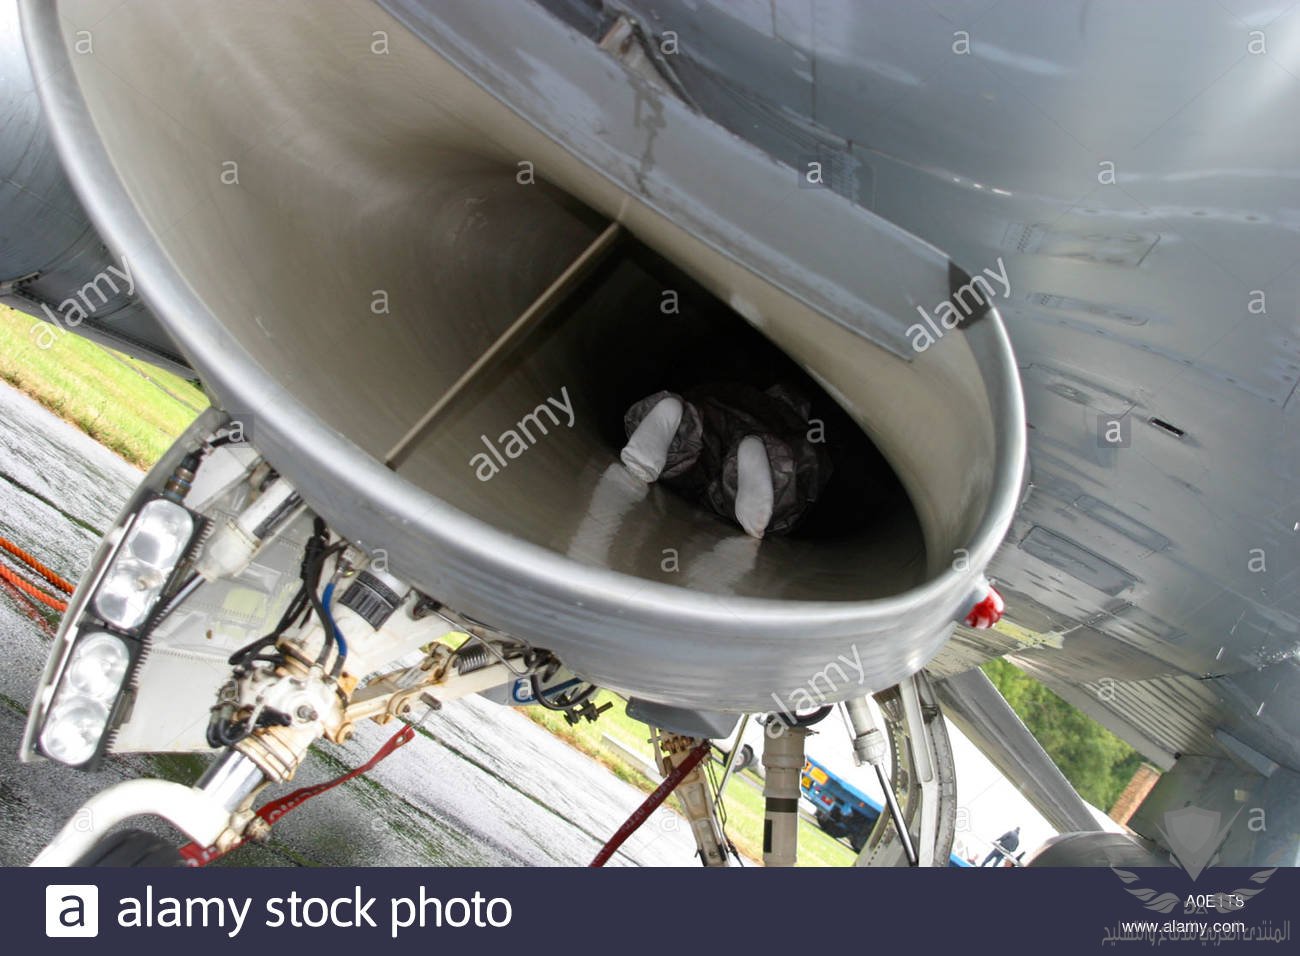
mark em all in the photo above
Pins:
pixel 754 494
pixel 646 452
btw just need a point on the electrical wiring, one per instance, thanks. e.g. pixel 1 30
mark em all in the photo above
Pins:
pixel 339 640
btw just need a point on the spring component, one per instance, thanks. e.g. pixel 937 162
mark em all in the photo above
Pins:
pixel 473 657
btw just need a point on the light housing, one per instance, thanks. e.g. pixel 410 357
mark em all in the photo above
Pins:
pixel 139 571
pixel 91 685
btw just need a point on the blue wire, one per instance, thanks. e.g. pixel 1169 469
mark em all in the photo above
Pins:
pixel 338 635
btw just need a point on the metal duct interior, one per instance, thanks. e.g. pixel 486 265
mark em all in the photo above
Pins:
pixel 449 248
pixel 373 247
pixel 378 241
pixel 610 346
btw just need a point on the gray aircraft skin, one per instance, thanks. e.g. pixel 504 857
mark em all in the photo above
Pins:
pixel 818 168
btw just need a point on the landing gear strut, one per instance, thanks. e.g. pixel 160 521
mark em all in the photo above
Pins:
pixel 921 790
pixel 696 797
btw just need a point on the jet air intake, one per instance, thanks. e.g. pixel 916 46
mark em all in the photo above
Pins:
pixel 429 254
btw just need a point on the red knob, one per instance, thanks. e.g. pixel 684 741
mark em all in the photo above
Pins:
pixel 987 612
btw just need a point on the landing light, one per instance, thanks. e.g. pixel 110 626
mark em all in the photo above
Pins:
pixel 91 683
pixel 100 662
pixel 97 667
pixel 144 563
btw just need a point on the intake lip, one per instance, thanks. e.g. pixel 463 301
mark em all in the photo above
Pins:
pixel 659 641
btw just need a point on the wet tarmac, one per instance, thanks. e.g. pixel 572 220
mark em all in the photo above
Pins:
pixel 481 786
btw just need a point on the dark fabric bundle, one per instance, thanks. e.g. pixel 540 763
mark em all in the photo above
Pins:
pixel 702 460
pixel 685 448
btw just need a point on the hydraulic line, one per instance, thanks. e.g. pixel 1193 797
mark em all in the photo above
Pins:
pixel 339 641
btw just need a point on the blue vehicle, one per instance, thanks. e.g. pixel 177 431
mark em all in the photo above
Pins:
pixel 843 811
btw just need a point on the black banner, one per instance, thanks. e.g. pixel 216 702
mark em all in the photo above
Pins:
pixel 643 910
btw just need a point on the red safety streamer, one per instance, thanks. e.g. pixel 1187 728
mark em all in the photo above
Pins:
pixel 196 855
pixel 651 803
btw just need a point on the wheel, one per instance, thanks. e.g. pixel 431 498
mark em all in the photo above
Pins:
pixel 744 760
pixel 131 848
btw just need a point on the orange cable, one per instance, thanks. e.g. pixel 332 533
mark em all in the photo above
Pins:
pixel 63 584
pixel 28 588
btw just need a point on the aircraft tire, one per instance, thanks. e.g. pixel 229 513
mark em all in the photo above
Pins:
pixel 131 848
